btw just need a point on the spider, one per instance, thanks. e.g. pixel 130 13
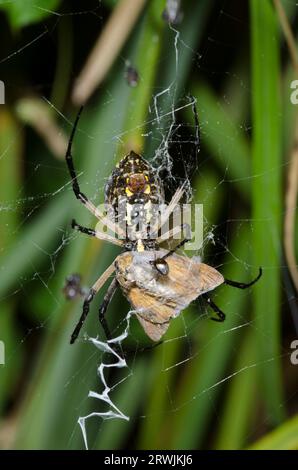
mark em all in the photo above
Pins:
pixel 158 283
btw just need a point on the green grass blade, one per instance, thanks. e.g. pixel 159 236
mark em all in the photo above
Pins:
pixel 285 437
pixel 225 140
pixel 238 412
pixel 128 396
pixel 23 258
pixel 158 391
pixel 172 84
pixel 146 63
pixel 267 197
pixel 59 362
pixel 11 142
pixel 163 381
pixel 200 384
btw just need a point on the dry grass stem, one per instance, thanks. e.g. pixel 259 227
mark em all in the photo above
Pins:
pixel 106 49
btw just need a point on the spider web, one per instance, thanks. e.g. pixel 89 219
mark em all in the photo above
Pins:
pixel 103 375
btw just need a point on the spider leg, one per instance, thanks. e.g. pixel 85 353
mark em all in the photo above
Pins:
pixel 240 285
pixel 180 244
pixel 104 306
pixel 243 285
pixel 183 227
pixel 96 233
pixel 197 124
pixel 221 316
pixel 128 352
pixel 88 231
pixel 168 211
pixel 86 306
pixel 173 232
pixel 75 184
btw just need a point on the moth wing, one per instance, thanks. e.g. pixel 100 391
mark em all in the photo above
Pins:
pixel 155 331
pixel 189 278
pixel 153 314
pixel 209 277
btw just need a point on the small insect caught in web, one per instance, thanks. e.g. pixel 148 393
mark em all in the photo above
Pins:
pixel 172 13
pixel 158 283
pixel 131 75
pixel 73 287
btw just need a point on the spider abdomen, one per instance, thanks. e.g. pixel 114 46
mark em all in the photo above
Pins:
pixel 133 195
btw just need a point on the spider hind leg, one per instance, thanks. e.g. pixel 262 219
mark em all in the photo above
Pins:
pixel 88 299
pixel 221 316
pixel 86 308
pixel 243 285
pixel 239 285
pixel 104 306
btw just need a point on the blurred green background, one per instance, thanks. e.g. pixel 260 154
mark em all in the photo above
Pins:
pixel 209 385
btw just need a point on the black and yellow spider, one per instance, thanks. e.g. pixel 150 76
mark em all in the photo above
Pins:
pixel 158 283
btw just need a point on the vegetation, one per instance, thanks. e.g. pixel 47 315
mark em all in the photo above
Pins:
pixel 209 385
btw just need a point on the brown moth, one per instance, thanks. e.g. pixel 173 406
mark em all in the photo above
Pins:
pixel 157 299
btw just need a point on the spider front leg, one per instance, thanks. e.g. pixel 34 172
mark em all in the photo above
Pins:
pixel 183 227
pixel 73 174
pixel 75 184
pixel 197 124
pixel 179 245
pixel 160 263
